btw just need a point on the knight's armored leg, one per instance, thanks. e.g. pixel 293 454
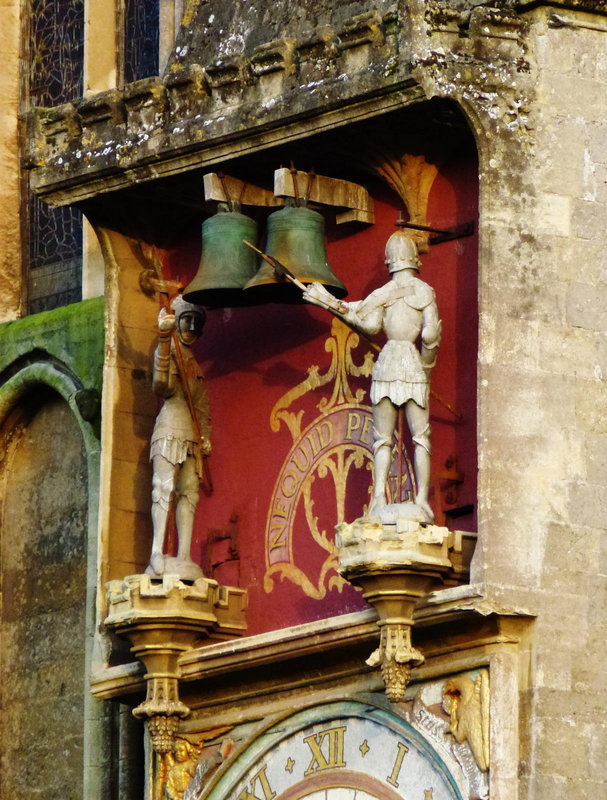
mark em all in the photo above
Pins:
pixel 187 499
pixel 163 484
pixel 384 422
pixel 418 420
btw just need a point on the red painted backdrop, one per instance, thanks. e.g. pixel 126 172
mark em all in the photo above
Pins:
pixel 253 356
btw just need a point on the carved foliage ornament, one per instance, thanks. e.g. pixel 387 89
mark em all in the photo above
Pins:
pixel 396 655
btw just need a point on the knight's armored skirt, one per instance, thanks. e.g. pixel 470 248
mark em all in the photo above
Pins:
pixel 398 374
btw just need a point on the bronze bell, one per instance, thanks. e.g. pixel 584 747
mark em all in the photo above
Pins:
pixel 296 239
pixel 226 263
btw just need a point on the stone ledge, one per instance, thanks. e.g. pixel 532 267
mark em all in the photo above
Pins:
pixel 359 628
pixel 121 128
pixel 402 543
pixel 162 620
pixel 213 147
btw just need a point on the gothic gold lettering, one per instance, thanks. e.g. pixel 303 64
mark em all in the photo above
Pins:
pixel 280 510
pixel 332 755
pixel 393 778
pixel 328 425
pixel 277 532
pixel 364 434
pixel 300 454
pixel 313 443
pixel 353 423
pixel 249 792
pixel 292 488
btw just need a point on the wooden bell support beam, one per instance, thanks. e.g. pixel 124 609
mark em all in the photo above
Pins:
pixel 327 191
pixel 320 189
pixel 248 194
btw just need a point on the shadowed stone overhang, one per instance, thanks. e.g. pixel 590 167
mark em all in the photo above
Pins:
pixel 250 74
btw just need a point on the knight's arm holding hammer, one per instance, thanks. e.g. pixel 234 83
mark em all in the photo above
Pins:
pixel 360 314
pixel 162 381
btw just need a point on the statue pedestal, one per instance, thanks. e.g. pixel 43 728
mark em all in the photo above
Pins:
pixel 395 564
pixel 163 619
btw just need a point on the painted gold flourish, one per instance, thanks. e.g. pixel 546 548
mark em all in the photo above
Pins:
pixel 337 462
pixel 338 465
pixel 343 340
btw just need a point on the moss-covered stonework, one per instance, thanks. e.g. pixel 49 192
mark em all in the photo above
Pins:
pixel 72 335
pixel 51 371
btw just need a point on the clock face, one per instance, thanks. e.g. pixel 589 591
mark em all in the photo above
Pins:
pixel 340 793
pixel 351 751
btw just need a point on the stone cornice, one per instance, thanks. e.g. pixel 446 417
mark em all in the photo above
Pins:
pixel 589 6
pixel 444 607
pixel 156 126
pixel 198 114
pixel 201 113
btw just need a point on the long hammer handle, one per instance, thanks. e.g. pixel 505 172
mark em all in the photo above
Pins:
pixel 280 269
pixel 272 262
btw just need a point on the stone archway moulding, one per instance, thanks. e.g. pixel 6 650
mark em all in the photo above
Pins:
pixel 59 377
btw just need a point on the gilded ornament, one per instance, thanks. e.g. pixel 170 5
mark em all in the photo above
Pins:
pixel 467 703
pixel 176 769
pixel 162 620
pixel 396 656
pixel 395 566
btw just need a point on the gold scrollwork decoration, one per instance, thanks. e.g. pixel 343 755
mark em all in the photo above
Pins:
pixel 331 446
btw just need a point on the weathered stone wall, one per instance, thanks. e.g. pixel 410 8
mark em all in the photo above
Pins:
pixel 43 541
pixel 129 411
pixel 219 31
pixel 543 292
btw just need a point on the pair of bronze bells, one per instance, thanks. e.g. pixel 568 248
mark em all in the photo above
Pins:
pixel 229 273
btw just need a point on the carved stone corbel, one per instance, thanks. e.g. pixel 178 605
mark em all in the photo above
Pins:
pixel 162 620
pixel 395 565
pixel 394 596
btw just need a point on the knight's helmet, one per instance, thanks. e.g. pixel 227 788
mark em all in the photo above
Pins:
pixel 180 306
pixel 401 253
pixel 195 324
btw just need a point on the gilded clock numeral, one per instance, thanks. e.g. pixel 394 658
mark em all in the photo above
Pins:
pixel 393 778
pixel 248 793
pixel 335 757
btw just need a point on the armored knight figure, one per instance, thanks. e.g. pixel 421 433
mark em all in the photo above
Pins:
pixel 404 308
pixel 181 437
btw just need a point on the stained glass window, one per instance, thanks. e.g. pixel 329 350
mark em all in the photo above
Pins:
pixel 56 70
pixel 56 51
pixel 141 39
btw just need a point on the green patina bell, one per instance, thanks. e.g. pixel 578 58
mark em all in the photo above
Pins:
pixel 226 263
pixel 296 239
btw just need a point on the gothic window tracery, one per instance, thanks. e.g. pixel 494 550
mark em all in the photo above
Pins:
pixel 141 29
pixel 55 76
